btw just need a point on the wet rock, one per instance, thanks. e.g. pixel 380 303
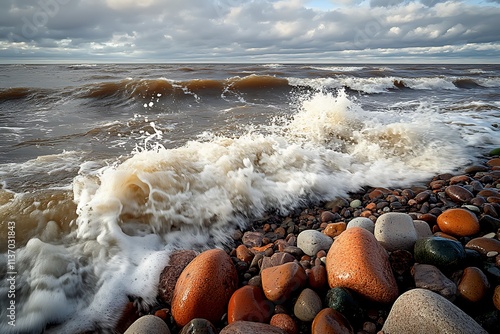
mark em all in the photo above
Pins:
pixel 249 303
pixel 334 229
pixel 317 277
pixel 362 222
pixel 429 277
pixel 312 241
pixel 423 311
pixel 348 265
pixel 342 300
pixel 148 324
pixel 248 327
pixel 204 287
pixel 496 297
pixel 244 254
pixel 168 278
pixel 252 239
pixel 484 245
pixel 401 261
pixel 276 260
pixel 285 322
pixel 458 222
pixel 473 285
pixel 395 230
pixel 307 306
pixel 440 252
pixel 281 281
pixel 328 216
pixel 489 223
pixel 199 326
pixel 329 321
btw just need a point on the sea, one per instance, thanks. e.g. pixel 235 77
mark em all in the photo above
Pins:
pixel 106 169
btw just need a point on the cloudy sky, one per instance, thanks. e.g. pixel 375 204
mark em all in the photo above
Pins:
pixel 333 31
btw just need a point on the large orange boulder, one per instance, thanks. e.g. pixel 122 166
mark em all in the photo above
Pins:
pixel 358 262
pixel 458 222
pixel 204 288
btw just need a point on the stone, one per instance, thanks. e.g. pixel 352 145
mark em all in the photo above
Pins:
pixel 168 278
pixel 334 229
pixel 496 297
pixel 199 326
pixel 252 239
pixel 328 216
pixel 401 261
pixel 204 288
pixel 285 322
pixel 276 259
pixel 395 230
pixel 307 306
pixel 248 327
pixel 458 194
pixel 348 265
pixel 423 311
pixel 458 222
pixel 429 277
pixel 312 241
pixel 473 285
pixel 317 277
pixel 280 282
pixel 148 324
pixel 244 254
pixel 422 228
pixel 342 300
pixel 493 162
pixel 128 316
pixel 495 151
pixel 362 222
pixel 441 252
pixel 484 245
pixel 329 321
pixel 249 303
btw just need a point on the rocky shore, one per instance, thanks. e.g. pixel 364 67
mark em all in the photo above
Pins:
pixel 413 260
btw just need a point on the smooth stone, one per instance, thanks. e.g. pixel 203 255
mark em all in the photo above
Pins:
pixel 329 321
pixel 362 222
pixel 244 254
pixel 308 305
pixel 199 326
pixel 441 252
pixel 423 311
pixel 252 239
pixel 401 261
pixel 458 194
pixel 276 259
pixel 334 229
pixel 312 241
pixel 429 277
pixel 484 245
pixel 489 223
pixel 148 324
pixel 395 230
pixel 422 228
pixel 348 265
pixel 342 300
pixel 495 151
pixel 473 285
pixel 317 277
pixel 249 327
pixel 285 322
pixel 249 303
pixel 476 168
pixel 204 288
pixel 170 274
pixel 496 297
pixel 328 216
pixel 493 162
pixel 355 203
pixel 458 222
pixel 281 281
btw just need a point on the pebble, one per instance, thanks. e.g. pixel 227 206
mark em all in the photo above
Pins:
pixel 329 321
pixel 307 306
pixel 281 281
pixel 429 277
pixel 395 230
pixel 362 222
pixel 199 326
pixel 423 311
pixel 148 324
pixel 252 239
pixel 348 265
pixel 204 288
pixel 317 277
pixel 244 254
pixel 422 228
pixel 334 229
pixel 249 327
pixel 249 303
pixel 496 297
pixel 355 203
pixel 458 222
pixel 458 194
pixel 168 278
pixel 441 252
pixel 312 241
pixel 473 285
pixel 342 300
pixel 484 245
pixel 285 322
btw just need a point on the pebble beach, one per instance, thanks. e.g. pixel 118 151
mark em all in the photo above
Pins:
pixel 420 259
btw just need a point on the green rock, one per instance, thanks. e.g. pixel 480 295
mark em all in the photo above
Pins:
pixel 441 252
pixel 198 326
pixel 342 300
pixel 495 151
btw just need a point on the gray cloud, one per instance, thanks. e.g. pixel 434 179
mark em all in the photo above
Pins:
pixel 241 30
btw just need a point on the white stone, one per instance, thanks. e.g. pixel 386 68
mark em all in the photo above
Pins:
pixel 148 324
pixel 312 241
pixel 362 222
pixel 422 228
pixel 395 230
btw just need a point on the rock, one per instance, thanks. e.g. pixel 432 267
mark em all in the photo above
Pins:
pixel 362 222
pixel 429 277
pixel 328 216
pixel 493 162
pixel 495 151
pixel 244 254
pixel 342 300
pixel 199 326
pixel 458 222
pixel 423 311
pixel 489 223
pixel 248 327
pixel 496 297
pixel 422 228
pixel 128 316
pixel 348 265
pixel 249 303
pixel 334 229
pixel 401 261
pixel 307 306
pixel 329 321
pixel 441 252
pixel 312 241
pixel 168 278
pixel 484 245
pixel 458 194
pixel 281 281
pixel 285 322
pixel 317 277
pixel 473 285
pixel 395 230
pixel 276 259
pixel 148 324
pixel 204 288
pixel 355 203
pixel 252 239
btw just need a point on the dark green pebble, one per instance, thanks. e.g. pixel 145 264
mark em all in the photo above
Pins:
pixel 199 326
pixel 495 151
pixel 441 252
pixel 343 301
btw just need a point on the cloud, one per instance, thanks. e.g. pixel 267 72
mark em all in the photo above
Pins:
pixel 239 30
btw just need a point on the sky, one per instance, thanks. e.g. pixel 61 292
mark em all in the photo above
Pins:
pixel 256 31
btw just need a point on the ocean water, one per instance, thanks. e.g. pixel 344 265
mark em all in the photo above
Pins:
pixel 106 169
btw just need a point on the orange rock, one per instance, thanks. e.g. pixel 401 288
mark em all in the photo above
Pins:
pixel 458 222
pixel 473 285
pixel 357 261
pixel 262 248
pixel 444 235
pixel 334 229
pixel 244 254
pixel 496 297
pixel 317 277
pixel 285 322
pixel 493 162
pixel 330 321
pixel 281 281
pixel 249 303
pixel 371 206
pixel 484 245
pixel 204 287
